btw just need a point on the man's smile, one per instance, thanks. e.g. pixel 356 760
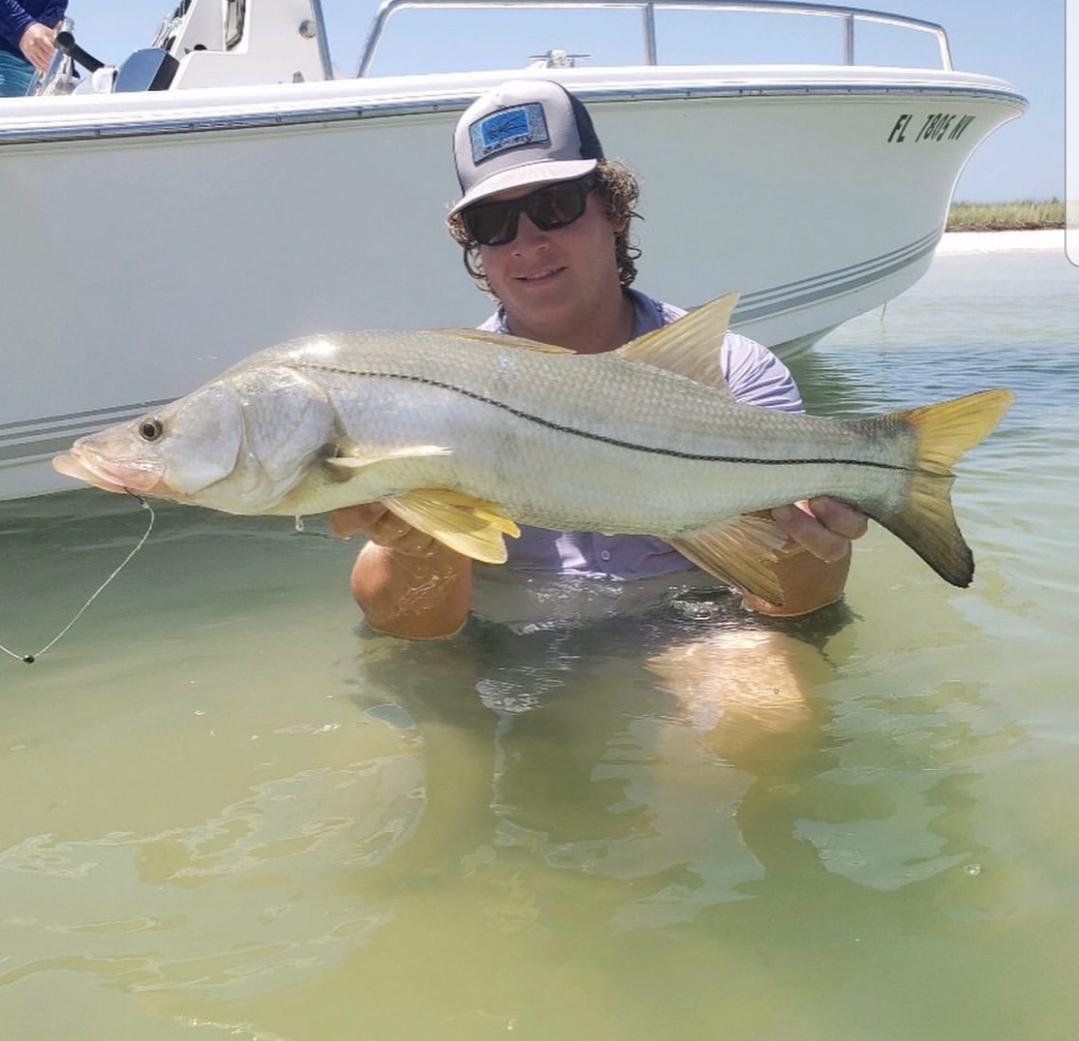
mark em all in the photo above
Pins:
pixel 540 276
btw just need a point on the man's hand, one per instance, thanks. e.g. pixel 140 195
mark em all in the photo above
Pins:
pixel 406 583
pixel 824 526
pixel 383 528
pixel 37 45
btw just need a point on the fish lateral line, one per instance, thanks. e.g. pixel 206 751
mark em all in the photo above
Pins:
pixel 603 438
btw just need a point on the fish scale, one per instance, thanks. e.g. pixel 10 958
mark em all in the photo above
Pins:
pixel 623 427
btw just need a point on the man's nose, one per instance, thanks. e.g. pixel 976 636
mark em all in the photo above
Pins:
pixel 528 235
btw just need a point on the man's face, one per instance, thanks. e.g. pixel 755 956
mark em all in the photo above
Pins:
pixel 551 281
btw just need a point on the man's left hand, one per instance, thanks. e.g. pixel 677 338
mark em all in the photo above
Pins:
pixel 37 45
pixel 824 526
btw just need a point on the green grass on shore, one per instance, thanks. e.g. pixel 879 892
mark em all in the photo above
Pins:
pixel 1005 216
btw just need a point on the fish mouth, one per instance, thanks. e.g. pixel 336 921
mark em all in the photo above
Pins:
pixel 82 464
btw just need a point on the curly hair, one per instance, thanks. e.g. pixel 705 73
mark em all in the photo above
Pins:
pixel 618 188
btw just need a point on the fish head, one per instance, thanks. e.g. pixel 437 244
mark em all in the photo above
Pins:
pixel 238 444
pixel 174 452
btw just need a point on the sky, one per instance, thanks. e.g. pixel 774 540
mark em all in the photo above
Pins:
pixel 1021 42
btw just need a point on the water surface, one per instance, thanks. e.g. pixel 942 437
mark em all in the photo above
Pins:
pixel 600 812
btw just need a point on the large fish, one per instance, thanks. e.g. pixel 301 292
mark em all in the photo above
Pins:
pixel 464 433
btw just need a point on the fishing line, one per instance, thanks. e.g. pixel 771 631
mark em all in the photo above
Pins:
pixel 301 529
pixel 31 658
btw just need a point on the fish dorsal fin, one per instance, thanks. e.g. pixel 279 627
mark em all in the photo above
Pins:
pixel 688 346
pixel 471 526
pixel 742 551
pixel 505 340
pixel 349 461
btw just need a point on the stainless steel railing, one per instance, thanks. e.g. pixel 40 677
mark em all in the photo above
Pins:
pixel 849 15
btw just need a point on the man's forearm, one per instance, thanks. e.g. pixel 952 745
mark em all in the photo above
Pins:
pixel 416 596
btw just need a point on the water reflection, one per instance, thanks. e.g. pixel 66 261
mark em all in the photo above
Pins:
pixel 601 794
pixel 636 748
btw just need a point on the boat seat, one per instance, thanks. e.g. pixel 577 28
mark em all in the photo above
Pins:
pixel 148 69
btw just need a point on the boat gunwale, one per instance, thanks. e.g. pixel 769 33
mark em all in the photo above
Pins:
pixel 262 114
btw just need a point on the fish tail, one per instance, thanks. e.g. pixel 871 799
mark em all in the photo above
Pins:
pixel 925 521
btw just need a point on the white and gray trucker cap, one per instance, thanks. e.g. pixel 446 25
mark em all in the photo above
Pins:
pixel 522 132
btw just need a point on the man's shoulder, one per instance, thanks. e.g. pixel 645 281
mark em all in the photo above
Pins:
pixel 756 376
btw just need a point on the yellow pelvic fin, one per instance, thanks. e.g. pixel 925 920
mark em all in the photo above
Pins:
pixel 688 346
pixel 742 551
pixel 353 460
pixel 502 340
pixel 470 526
pixel 925 521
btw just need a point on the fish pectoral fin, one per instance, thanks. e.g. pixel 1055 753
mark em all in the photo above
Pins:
pixel 352 460
pixel 503 340
pixel 689 345
pixel 470 526
pixel 742 551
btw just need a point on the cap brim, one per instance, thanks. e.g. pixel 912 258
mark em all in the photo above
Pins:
pixel 529 174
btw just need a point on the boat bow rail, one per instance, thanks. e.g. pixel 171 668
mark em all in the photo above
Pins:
pixel 230 105
pixel 850 17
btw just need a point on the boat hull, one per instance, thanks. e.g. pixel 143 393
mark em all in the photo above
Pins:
pixel 158 245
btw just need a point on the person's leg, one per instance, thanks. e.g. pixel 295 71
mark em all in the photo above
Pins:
pixel 15 75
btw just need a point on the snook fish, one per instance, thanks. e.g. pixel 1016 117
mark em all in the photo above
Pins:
pixel 463 433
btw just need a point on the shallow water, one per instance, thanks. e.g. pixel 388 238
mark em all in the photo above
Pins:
pixel 600 812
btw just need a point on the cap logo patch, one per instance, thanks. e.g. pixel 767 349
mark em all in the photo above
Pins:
pixel 506 129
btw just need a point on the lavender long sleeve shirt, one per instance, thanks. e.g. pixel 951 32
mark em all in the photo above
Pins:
pixel 755 376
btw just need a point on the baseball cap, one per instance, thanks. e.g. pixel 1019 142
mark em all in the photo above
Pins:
pixel 522 132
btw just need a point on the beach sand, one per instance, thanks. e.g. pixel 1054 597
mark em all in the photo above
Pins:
pixel 963 242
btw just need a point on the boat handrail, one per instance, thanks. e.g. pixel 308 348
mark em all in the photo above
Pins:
pixel 648 10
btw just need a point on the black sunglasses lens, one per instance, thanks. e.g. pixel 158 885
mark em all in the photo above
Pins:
pixel 491 225
pixel 557 206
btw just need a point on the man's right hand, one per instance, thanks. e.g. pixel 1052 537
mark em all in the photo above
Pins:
pixel 382 527
pixel 406 583
pixel 37 45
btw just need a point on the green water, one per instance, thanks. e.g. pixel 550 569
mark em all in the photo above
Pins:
pixel 598 813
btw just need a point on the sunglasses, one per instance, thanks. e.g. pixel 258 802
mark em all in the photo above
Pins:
pixel 553 206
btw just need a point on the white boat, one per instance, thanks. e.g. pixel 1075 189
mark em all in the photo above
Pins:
pixel 250 197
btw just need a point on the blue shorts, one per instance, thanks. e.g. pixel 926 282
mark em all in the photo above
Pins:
pixel 15 75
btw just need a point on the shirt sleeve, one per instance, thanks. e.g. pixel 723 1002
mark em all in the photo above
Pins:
pixel 757 377
pixel 52 14
pixel 14 21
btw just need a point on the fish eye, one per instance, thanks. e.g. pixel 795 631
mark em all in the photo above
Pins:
pixel 151 429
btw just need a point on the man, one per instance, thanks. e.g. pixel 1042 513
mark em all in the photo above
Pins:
pixel 544 222
pixel 26 41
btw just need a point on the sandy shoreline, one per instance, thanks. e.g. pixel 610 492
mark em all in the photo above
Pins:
pixel 961 242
